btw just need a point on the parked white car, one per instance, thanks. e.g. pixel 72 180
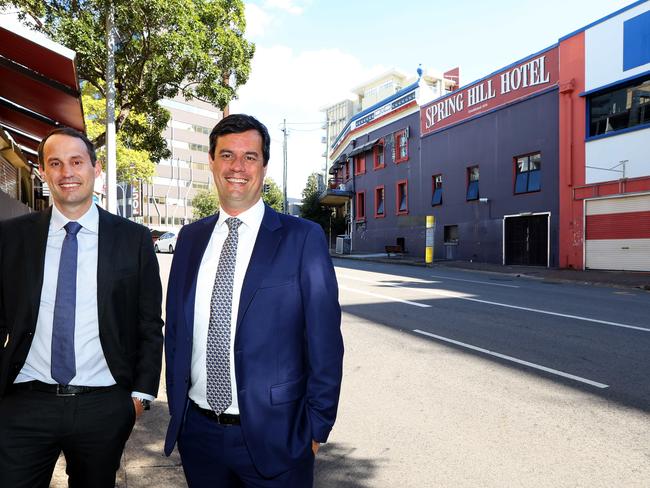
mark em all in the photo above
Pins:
pixel 166 243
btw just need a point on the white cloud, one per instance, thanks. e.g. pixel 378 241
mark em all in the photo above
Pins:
pixel 290 6
pixel 257 20
pixel 296 85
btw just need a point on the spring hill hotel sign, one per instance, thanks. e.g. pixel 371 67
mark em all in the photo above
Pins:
pixel 521 80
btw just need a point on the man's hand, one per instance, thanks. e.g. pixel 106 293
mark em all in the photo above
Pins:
pixel 138 407
pixel 315 446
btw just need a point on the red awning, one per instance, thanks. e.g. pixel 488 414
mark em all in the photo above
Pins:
pixel 39 90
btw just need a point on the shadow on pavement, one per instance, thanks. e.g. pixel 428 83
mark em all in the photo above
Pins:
pixel 336 466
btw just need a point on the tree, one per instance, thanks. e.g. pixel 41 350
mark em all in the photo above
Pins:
pixel 205 203
pixel 311 208
pixel 272 195
pixel 164 47
pixel 132 164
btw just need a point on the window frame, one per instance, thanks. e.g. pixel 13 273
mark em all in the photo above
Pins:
pixel 471 183
pixel 398 184
pixel 360 164
pixel 346 170
pixel 436 189
pixel 399 136
pixel 361 195
pixel 383 191
pixel 375 155
pixel 526 174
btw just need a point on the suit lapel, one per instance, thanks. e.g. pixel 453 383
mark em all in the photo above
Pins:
pixel 35 240
pixel 266 244
pixel 105 258
pixel 198 243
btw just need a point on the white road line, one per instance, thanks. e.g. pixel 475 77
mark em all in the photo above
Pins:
pixel 385 297
pixel 474 281
pixel 514 360
pixel 449 294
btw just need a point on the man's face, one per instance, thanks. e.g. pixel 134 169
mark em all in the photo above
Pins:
pixel 238 170
pixel 69 173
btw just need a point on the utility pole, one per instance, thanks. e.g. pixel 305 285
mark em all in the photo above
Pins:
pixel 284 172
pixel 111 153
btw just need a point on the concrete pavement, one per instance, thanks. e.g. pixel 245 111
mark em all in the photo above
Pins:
pixel 623 279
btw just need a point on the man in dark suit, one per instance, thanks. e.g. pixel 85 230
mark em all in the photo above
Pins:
pixel 80 328
pixel 253 344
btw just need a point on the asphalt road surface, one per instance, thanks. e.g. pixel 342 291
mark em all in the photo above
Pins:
pixel 464 379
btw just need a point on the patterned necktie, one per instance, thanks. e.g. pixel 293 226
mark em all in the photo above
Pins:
pixel 218 391
pixel 63 360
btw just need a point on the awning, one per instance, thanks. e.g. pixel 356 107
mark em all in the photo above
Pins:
pixel 39 90
pixel 365 147
pixel 12 153
pixel 338 163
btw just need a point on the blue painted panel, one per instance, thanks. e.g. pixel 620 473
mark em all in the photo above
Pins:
pixel 636 41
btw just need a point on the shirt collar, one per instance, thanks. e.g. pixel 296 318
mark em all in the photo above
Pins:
pixel 88 221
pixel 251 217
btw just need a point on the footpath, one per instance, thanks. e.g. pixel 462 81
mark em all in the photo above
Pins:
pixel 621 279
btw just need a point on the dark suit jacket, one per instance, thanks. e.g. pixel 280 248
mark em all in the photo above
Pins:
pixel 288 345
pixel 129 297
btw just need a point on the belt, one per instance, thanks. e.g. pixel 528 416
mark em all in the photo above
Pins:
pixel 222 418
pixel 58 390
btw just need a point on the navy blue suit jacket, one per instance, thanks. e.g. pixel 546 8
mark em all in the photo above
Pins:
pixel 288 345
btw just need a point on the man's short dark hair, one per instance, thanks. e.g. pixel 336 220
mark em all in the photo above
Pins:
pixel 236 124
pixel 68 131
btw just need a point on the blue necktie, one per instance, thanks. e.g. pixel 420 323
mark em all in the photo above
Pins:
pixel 63 360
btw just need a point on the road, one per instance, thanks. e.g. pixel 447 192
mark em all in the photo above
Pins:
pixel 420 411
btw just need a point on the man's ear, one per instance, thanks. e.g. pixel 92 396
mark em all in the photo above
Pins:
pixel 98 168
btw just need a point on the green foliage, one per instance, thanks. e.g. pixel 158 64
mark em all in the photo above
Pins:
pixel 195 48
pixel 132 164
pixel 274 197
pixel 311 208
pixel 205 203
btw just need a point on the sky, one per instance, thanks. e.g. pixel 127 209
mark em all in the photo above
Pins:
pixel 312 53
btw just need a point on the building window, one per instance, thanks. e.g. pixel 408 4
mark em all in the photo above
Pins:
pixel 472 183
pixel 402 197
pixel 401 146
pixel 451 234
pixel 347 170
pixel 360 164
pixel 378 155
pixel 199 147
pixel 379 202
pixel 436 198
pixel 361 205
pixel 528 173
pixel 620 108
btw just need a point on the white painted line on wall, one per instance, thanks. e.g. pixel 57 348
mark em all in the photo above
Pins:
pixel 384 297
pixel 475 281
pixel 514 360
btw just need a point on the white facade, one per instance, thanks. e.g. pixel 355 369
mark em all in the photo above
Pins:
pixel 604 50
pixel 623 154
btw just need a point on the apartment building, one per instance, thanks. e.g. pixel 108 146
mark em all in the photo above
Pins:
pixel 166 202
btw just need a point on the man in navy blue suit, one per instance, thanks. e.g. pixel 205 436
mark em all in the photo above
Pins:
pixel 253 344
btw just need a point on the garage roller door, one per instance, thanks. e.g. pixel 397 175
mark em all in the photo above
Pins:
pixel 617 233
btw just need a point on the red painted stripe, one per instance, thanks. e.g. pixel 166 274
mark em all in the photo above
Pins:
pixel 629 225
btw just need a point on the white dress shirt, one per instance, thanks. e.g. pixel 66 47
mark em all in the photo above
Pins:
pixel 91 366
pixel 251 221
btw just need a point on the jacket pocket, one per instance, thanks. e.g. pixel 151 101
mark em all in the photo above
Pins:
pixel 289 391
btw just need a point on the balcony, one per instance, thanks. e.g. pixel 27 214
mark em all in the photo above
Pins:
pixel 337 193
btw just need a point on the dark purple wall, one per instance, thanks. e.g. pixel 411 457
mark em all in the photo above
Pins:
pixel 490 141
